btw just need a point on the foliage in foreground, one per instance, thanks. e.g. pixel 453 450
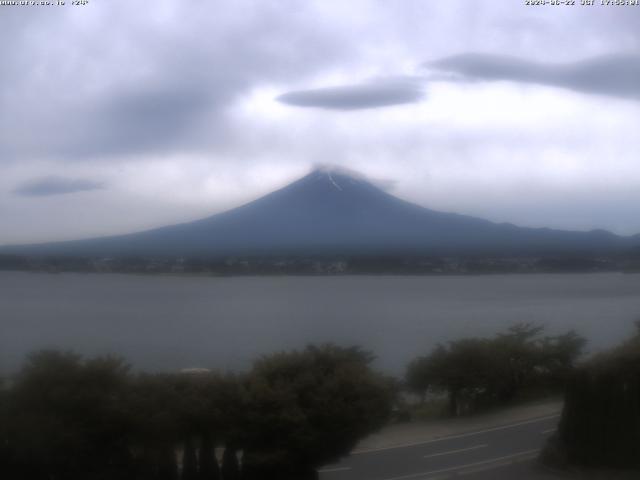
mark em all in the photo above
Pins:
pixel 600 423
pixel 68 418
pixel 477 372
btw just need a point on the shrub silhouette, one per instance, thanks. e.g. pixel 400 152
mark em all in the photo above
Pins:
pixel 476 372
pixel 600 424
pixel 70 418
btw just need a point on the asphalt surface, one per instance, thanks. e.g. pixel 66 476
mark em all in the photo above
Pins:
pixel 504 452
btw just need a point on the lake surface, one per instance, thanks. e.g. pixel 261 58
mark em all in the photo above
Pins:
pixel 173 322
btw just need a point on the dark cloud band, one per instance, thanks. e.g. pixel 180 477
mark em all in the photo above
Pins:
pixel 614 75
pixel 48 186
pixel 355 97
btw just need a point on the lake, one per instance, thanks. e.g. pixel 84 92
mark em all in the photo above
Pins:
pixel 173 322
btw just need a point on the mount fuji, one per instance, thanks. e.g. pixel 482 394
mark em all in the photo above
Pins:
pixel 335 212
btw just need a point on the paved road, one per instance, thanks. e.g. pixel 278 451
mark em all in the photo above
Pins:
pixel 505 452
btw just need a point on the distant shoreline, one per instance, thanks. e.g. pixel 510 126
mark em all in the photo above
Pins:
pixel 328 265
pixel 317 275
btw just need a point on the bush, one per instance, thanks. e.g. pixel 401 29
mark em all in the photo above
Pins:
pixel 310 407
pixel 477 372
pixel 75 419
pixel 600 424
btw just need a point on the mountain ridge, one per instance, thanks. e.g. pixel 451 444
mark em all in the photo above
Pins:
pixel 335 211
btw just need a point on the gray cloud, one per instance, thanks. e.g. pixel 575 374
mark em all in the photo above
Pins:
pixel 170 90
pixel 180 100
pixel 144 120
pixel 615 75
pixel 355 97
pixel 47 186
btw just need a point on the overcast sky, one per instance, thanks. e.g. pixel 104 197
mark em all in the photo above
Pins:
pixel 117 117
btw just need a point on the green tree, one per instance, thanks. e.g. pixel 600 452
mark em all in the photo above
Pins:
pixel 189 461
pixel 230 466
pixel 154 404
pixel 68 419
pixel 209 468
pixel 600 423
pixel 419 377
pixel 559 355
pixel 5 455
pixel 307 408
pixel 165 467
pixel 476 372
pixel 467 370
pixel 210 406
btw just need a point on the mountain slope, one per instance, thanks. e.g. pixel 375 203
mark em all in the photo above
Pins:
pixel 333 212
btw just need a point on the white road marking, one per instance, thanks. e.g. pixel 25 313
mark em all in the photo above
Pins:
pixel 453 437
pixel 450 452
pixel 484 468
pixel 336 469
pixel 494 465
pixel 551 430
pixel 498 461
